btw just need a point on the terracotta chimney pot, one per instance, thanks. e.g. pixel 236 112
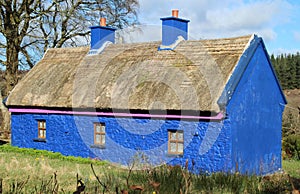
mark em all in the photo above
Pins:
pixel 102 21
pixel 175 13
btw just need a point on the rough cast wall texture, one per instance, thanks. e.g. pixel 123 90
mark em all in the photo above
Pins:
pixel 207 143
pixel 61 134
pixel 255 113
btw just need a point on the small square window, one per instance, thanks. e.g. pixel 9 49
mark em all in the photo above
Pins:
pixel 42 129
pixel 175 142
pixel 99 134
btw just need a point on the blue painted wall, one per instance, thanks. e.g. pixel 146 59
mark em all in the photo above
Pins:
pixel 173 27
pixel 61 134
pixel 207 143
pixel 255 114
pixel 101 34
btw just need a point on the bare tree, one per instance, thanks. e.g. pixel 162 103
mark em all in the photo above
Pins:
pixel 29 27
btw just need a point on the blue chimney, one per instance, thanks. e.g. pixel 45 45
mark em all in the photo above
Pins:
pixel 172 28
pixel 101 34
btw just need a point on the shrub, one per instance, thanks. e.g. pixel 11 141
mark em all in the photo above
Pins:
pixel 291 146
pixel 291 136
pixel 275 184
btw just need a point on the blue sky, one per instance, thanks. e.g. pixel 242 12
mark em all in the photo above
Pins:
pixel 276 21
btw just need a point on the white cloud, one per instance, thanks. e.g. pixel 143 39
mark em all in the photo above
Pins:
pixel 279 51
pixel 267 33
pixel 213 18
pixel 254 15
pixel 142 33
pixel 152 11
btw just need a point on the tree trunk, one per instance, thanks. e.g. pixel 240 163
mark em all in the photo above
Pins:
pixel 11 73
pixel 5 126
pixel 11 78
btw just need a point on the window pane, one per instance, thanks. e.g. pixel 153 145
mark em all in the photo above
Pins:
pixel 180 135
pixel 42 133
pixel 98 130
pixel 173 147
pixel 173 135
pixel 97 139
pixel 180 147
pixel 42 124
pixel 103 139
pixel 103 128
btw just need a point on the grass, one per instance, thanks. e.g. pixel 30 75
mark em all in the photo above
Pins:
pixel 51 155
pixel 292 167
pixel 18 165
pixel 35 171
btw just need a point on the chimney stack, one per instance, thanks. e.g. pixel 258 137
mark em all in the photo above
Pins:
pixel 172 28
pixel 175 13
pixel 101 34
pixel 102 21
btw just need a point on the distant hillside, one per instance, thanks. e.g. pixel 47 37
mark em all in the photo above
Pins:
pixel 293 97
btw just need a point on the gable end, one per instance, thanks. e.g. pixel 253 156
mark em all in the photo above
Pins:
pixel 240 69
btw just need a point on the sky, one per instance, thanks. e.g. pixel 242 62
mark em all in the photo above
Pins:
pixel 276 21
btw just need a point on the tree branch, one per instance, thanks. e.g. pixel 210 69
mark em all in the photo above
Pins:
pixel 28 57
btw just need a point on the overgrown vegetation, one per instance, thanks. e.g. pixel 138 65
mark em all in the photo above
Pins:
pixel 291 136
pixel 33 171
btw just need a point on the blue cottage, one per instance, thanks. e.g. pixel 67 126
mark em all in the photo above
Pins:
pixel 215 104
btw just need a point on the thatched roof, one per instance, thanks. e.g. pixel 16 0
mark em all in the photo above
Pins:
pixel 132 76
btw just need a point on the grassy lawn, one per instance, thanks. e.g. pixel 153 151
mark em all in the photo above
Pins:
pixel 39 167
pixel 292 167
pixel 32 171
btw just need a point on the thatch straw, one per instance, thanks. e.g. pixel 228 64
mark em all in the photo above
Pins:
pixel 132 76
